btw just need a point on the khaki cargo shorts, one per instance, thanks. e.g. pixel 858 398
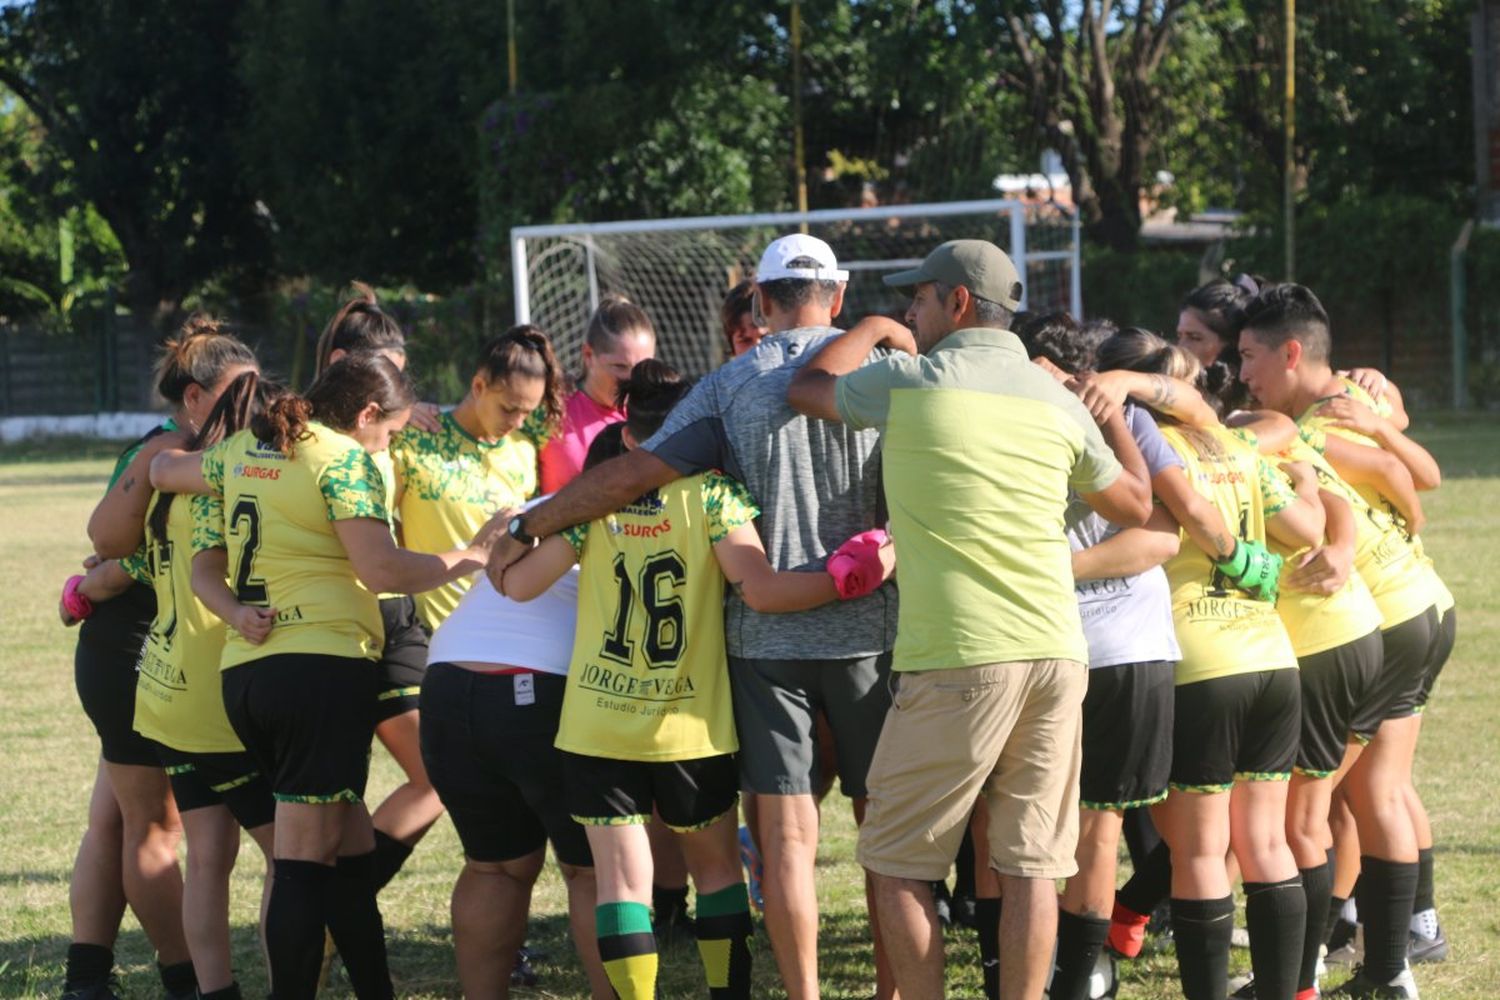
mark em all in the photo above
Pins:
pixel 1009 731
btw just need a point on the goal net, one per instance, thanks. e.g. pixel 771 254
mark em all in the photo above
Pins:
pixel 678 270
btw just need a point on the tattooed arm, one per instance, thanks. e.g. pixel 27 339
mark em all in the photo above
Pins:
pixel 117 525
pixel 1171 396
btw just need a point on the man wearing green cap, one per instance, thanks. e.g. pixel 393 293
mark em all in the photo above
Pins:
pixel 981 449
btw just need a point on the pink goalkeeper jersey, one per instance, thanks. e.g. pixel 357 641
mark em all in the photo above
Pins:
pixel 562 456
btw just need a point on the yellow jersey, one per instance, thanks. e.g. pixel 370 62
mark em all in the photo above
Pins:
pixel 277 519
pixel 649 679
pixel 1318 622
pixel 1222 630
pixel 451 483
pixel 179 701
pixel 1313 425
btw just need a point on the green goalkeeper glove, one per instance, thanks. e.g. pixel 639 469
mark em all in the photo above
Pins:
pixel 1253 568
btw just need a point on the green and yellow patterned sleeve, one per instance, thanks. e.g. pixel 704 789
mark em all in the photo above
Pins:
pixel 1245 436
pixel 352 487
pixel 537 429
pixel 138 566
pixel 208 524
pixel 1315 438
pixel 576 536
pixel 728 505
pixel 1276 491
pixel 213 467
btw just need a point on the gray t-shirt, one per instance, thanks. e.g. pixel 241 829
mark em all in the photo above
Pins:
pixel 817 484
pixel 1129 619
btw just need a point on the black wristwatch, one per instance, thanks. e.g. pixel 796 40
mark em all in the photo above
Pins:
pixel 517 530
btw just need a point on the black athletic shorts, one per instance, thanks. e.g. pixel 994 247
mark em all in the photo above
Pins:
pixel 308 719
pixel 1407 650
pixel 487 745
pixel 233 780
pixel 1340 700
pixel 403 659
pixel 1243 727
pixel 1442 648
pixel 104 662
pixel 687 794
pixel 1127 735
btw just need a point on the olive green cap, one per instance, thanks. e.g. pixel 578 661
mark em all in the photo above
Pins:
pixel 978 265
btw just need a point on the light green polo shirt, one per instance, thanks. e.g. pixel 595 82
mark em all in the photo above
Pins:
pixel 980 448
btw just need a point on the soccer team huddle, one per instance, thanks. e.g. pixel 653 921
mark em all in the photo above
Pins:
pixel 1170 592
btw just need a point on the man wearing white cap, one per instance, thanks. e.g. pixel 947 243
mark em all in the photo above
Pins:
pixel 817 484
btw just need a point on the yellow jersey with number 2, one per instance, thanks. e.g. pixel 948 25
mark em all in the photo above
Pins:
pixel 649 680
pixel 277 519
pixel 1222 630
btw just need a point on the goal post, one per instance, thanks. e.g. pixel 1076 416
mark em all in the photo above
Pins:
pixel 678 270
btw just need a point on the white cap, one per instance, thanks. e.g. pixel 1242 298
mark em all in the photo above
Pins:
pixel 773 263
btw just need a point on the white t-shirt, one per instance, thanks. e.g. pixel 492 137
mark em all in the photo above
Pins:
pixel 488 627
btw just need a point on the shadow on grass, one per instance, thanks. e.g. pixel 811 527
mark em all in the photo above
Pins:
pixel 53 877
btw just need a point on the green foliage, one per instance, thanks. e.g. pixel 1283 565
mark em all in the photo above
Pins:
pixel 1142 288
pixel 357 134
pixel 139 104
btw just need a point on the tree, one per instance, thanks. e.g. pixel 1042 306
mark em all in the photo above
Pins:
pixel 1090 73
pixel 140 104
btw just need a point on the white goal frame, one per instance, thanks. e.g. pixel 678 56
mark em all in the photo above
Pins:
pixel 1012 220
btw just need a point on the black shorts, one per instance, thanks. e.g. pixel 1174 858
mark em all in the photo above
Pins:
pixel 403 659
pixel 687 794
pixel 1442 648
pixel 1127 735
pixel 233 780
pixel 1407 650
pixel 1340 700
pixel 104 662
pixel 1243 727
pixel 493 763
pixel 308 719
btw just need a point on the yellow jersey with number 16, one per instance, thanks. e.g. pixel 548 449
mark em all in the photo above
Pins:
pixel 278 519
pixel 1221 629
pixel 649 680
pixel 179 701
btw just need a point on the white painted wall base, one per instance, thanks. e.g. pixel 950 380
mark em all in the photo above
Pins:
pixel 110 426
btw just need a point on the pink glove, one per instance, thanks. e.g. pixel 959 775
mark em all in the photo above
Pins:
pixel 75 604
pixel 855 565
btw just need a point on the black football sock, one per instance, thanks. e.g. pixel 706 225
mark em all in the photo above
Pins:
pixel 1202 929
pixel 178 980
pixel 1079 941
pixel 87 964
pixel 1276 913
pixel 1317 889
pixel 230 992
pixel 294 926
pixel 1140 834
pixel 358 932
pixel 390 856
pixel 1151 883
pixel 1425 893
pixel 987 923
pixel 1384 896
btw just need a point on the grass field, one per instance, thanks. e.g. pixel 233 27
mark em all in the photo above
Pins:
pixel 49 753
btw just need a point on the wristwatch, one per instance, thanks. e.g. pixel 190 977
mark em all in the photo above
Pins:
pixel 517 530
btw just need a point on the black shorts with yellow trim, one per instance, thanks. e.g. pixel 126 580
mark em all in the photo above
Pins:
pixel 403 658
pixel 1442 648
pixel 1127 735
pixel 232 780
pixel 1408 649
pixel 104 661
pixel 1244 727
pixel 307 719
pixel 688 795
pixel 1341 701
pixel 487 744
